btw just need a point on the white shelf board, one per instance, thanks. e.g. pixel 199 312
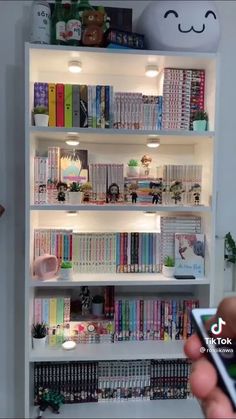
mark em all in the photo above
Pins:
pixel 120 136
pixel 103 279
pixel 45 58
pixel 159 409
pixel 112 351
pixel 121 207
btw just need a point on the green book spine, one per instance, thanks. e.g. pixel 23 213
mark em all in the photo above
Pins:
pixel 68 105
pixel 60 310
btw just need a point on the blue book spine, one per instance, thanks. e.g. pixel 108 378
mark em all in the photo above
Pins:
pixel 107 107
pixel 98 106
pixel 111 107
pixel 45 311
pixel 117 252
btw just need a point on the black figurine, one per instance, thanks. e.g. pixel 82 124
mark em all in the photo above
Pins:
pixel 113 193
pixel 85 300
pixel 176 190
pixel 61 189
pixel 133 188
pixel 156 191
pixel 49 398
pixel 196 189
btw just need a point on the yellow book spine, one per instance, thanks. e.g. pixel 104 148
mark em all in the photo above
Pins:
pixel 68 105
pixel 52 104
pixel 53 312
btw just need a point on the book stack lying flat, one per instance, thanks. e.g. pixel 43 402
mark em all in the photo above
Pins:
pixel 183 94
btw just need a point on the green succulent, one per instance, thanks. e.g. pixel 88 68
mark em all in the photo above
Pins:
pixel 66 265
pixel 39 330
pixel 200 116
pixel 133 163
pixel 169 262
pixel 41 110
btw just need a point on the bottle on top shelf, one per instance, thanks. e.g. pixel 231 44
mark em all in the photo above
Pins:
pixel 58 33
pixel 40 22
pixel 73 25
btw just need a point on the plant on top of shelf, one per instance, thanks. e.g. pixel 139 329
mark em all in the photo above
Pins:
pixel 75 193
pixel 39 330
pixel 200 119
pixel 41 116
pixel 168 268
pixel 75 187
pixel 66 270
pixel 230 249
pixel 133 169
pixel 66 264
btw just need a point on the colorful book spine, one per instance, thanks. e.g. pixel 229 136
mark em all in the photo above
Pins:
pixel 52 104
pixel 98 106
pixel 60 112
pixel 83 106
pixel 68 105
pixel 75 106
pixel 41 95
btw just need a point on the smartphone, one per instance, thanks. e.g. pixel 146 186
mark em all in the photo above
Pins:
pixel 220 351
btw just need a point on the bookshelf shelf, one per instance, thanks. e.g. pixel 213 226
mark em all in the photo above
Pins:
pixel 112 351
pixel 158 409
pixel 118 280
pixel 121 207
pixel 120 136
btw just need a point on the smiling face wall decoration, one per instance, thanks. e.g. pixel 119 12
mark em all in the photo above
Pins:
pixel 181 26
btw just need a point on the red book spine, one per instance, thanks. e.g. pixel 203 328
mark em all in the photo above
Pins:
pixel 121 252
pixel 60 105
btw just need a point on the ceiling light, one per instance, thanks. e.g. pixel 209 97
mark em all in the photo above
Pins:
pixel 151 70
pixel 71 213
pixel 75 66
pixel 72 138
pixel 153 142
pixel 72 142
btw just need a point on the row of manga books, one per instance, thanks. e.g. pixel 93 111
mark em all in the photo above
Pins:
pixel 83 382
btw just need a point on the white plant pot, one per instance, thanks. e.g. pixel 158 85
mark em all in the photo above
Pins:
pixel 39 344
pixel 97 309
pixel 133 171
pixel 66 274
pixel 75 198
pixel 168 272
pixel 41 120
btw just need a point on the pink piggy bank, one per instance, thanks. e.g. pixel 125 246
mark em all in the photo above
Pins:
pixel 46 266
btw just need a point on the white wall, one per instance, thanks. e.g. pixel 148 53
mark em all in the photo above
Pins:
pixel 13 32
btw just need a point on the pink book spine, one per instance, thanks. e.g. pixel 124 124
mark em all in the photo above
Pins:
pixel 158 319
pixel 155 320
pixel 37 310
pixel 138 319
pixel 149 318
pixel 116 319
pixel 66 310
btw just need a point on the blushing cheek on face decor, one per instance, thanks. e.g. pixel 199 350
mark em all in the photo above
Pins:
pixel 181 25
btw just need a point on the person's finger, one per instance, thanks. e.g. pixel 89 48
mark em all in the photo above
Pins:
pixel 217 406
pixel 203 378
pixel 227 311
pixel 192 348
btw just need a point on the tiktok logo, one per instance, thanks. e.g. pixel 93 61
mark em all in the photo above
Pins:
pixel 216 328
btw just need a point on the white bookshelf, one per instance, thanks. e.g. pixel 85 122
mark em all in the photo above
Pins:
pixel 124 69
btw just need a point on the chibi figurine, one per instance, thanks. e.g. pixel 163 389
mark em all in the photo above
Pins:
pixel 176 190
pixel 156 191
pixel 49 398
pixel 146 161
pixel 85 300
pixel 133 188
pixel 113 193
pixel 61 189
pixel 196 190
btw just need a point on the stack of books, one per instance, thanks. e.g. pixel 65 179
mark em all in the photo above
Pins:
pixel 102 176
pixel 183 94
pixel 54 242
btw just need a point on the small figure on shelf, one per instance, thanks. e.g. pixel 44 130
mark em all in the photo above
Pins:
pixel 146 161
pixel 48 398
pixel 85 300
pixel 133 192
pixel 93 21
pixel 113 193
pixel 176 190
pixel 196 192
pixel 61 189
pixel 86 188
pixel 156 189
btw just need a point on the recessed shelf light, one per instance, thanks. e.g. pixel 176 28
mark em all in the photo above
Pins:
pixel 151 70
pixel 72 142
pixel 75 66
pixel 71 213
pixel 149 213
pixel 72 139
pixel 153 141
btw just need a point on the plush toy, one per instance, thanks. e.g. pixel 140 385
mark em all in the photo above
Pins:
pixel 180 26
pixel 93 28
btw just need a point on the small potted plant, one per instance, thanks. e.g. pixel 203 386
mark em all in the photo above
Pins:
pixel 200 121
pixel 75 194
pixel 39 334
pixel 133 169
pixel 168 268
pixel 41 116
pixel 86 188
pixel 66 270
pixel 97 305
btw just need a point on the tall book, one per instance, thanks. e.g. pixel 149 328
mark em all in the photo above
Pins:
pixel 83 106
pixel 41 95
pixel 68 105
pixel 189 254
pixel 52 104
pixel 74 165
pixel 75 106
pixel 60 92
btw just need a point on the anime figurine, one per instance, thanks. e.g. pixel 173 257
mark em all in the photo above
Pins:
pixel 49 398
pixel 85 300
pixel 61 189
pixel 146 161
pixel 176 190
pixel 93 21
pixel 156 191
pixel 196 190
pixel 86 188
pixel 113 193
pixel 133 188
